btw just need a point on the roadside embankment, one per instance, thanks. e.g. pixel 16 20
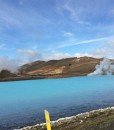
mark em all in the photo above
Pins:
pixel 102 119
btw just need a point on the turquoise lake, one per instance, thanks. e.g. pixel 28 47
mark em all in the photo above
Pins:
pixel 23 103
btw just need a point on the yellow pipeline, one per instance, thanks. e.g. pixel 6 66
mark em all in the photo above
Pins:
pixel 47 117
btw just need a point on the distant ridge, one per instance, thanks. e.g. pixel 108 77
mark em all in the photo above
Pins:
pixel 67 67
pixel 60 68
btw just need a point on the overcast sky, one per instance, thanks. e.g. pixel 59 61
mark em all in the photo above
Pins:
pixel 54 29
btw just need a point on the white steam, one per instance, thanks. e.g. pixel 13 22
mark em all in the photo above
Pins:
pixel 9 64
pixel 106 67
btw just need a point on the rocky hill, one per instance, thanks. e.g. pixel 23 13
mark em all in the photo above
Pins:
pixel 54 69
pixel 6 73
pixel 60 68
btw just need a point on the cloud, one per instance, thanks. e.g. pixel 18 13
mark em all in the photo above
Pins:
pixel 68 34
pixel 111 12
pixel 65 6
pixel 2 46
pixel 73 42
pixel 82 55
pixel 20 17
pixel 9 64
pixel 107 51
pixel 28 55
pixel 100 53
pixel 21 2
pixel 55 56
pixel 74 11
pixel 95 54
pixel 83 13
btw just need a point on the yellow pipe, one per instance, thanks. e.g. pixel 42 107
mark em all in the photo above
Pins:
pixel 47 117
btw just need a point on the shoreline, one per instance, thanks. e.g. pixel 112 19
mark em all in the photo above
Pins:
pixel 41 77
pixel 76 121
pixel 38 77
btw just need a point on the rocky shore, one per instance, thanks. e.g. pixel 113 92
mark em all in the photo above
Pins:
pixel 102 119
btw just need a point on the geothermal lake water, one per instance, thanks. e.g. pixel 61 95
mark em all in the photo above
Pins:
pixel 22 103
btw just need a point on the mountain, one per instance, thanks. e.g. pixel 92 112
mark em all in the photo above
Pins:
pixel 60 68
pixel 6 74
pixel 54 69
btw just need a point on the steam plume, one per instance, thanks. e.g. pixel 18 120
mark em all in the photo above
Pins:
pixel 9 64
pixel 105 67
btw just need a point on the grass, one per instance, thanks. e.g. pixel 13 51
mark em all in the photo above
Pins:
pixel 98 120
